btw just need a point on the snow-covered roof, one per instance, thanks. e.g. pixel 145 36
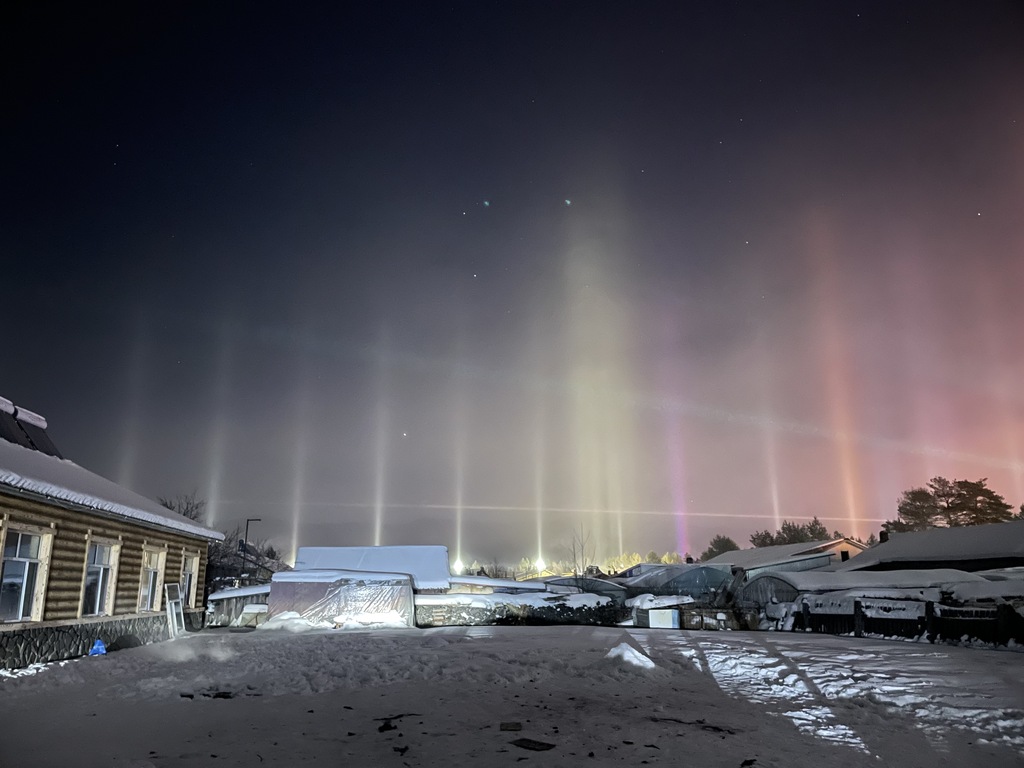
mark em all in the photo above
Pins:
pixel 23 469
pixel 25 428
pixel 487 581
pixel 336 574
pixel 759 557
pixel 427 564
pixel 832 581
pixel 997 541
pixel 1003 574
pixel 989 590
pixel 689 577
pixel 531 599
pixel 636 570
pixel 227 594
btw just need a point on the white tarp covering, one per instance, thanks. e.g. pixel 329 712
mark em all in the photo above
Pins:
pixel 343 598
pixel 35 472
pixel 427 565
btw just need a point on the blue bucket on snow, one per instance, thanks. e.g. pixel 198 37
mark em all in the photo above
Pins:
pixel 98 648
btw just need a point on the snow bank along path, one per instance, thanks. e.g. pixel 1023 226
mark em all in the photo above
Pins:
pixel 490 696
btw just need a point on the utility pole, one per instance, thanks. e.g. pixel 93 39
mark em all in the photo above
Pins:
pixel 245 545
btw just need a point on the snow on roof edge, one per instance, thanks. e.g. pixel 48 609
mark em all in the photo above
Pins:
pixel 60 493
pixel 232 592
pixel 29 417
pixel 756 557
pixel 338 574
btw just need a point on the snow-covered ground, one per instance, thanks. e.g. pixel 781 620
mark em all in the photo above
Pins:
pixel 492 696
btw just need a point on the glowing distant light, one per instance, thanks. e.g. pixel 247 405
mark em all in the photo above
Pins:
pixel 569 202
pixel 458 566
pixel 487 203
pixel 405 434
pixel 540 564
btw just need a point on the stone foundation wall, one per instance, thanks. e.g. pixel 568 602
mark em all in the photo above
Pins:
pixel 55 641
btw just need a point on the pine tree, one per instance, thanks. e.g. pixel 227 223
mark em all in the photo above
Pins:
pixel 949 504
pixel 816 531
pixel 794 533
pixel 977 504
pixel 719 545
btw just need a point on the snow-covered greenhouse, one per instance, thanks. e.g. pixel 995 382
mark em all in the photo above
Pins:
pixel 702 583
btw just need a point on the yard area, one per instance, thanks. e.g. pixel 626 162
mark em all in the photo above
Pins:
pixel 505 695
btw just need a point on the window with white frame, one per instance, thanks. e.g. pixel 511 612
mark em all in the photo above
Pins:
pixel 20 575
pixel 99 582
pixel 189 566
pixel 152 579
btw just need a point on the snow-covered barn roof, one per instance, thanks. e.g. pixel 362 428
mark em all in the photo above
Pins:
pixel 761 557
pixel 832 581
pixel 427 564
pixel 997 541
pixel 31 471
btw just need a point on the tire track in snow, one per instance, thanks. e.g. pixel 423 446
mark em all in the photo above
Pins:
pixel 927 688
pixel 745 669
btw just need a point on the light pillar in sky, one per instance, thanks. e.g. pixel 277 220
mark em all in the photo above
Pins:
pixel 838 369
pixel 136 383
pixel 599 375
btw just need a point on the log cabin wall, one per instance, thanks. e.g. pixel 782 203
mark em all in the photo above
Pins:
pixel 71 529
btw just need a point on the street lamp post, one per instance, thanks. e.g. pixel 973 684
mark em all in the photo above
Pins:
pixel 245 545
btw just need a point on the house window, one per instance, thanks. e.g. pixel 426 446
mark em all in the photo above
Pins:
pixel 152 579
pixel 189 566
pixel 99 590
pixel 19 576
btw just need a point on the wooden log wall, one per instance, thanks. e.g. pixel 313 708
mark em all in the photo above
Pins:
pixel 72 528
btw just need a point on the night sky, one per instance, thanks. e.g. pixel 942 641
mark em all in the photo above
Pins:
pixel 476 274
